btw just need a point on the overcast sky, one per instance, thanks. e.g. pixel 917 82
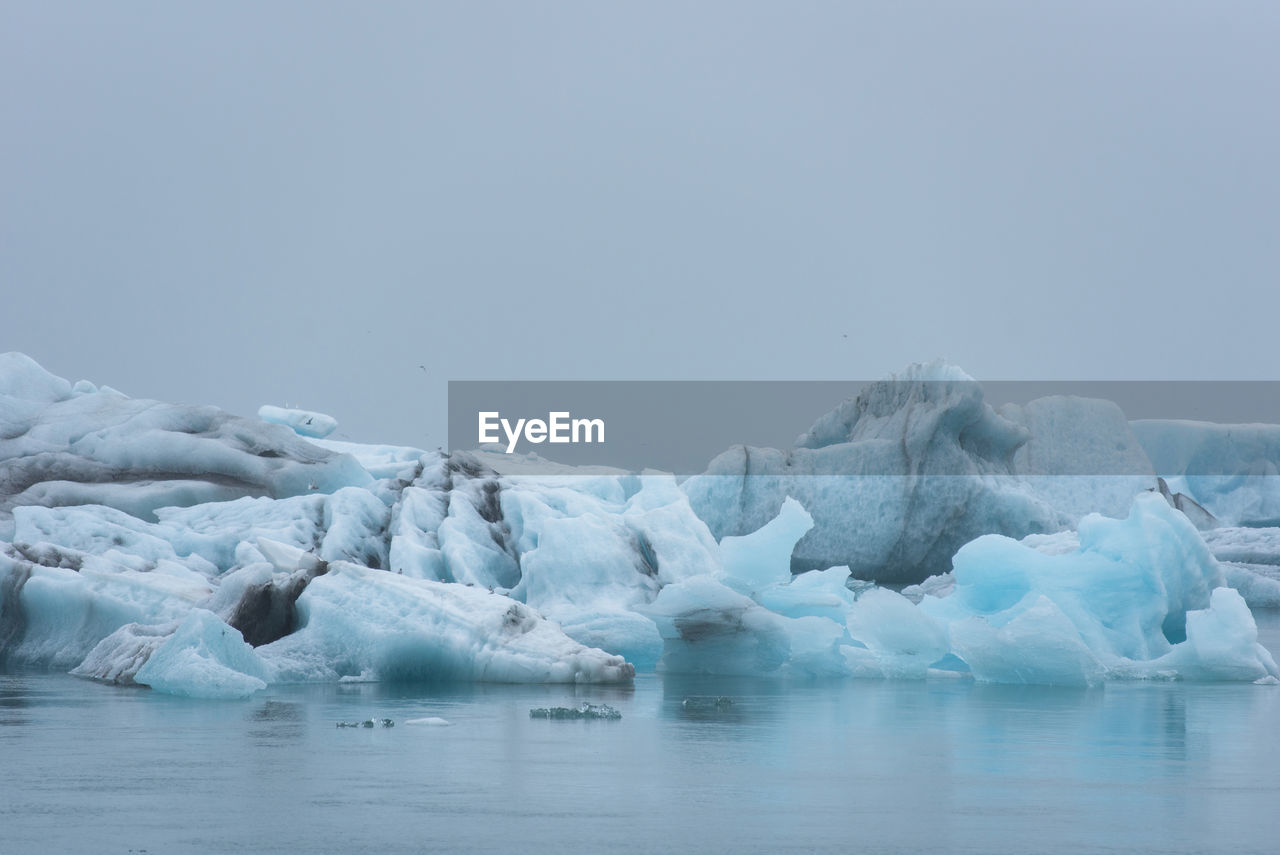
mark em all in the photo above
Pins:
pixel 252 203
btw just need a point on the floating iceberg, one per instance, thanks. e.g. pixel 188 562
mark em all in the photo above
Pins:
pixel 210 556
pixel 1121 604
pixel 204 658
pixel 196 657
pixel 1138 598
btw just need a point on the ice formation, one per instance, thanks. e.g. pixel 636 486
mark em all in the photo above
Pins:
pixel 1229 469
pixel 917 465
pixel 77 445
pixel 354 621
pixel 1120 604
pixel 201 554
pixel 1081 456
pixel 204 658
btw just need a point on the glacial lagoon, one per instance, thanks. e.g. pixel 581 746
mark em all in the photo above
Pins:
pixel 786 766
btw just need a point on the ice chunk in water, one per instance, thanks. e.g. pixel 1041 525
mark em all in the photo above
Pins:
pixel 590 711
pixel 204 658
pixel 754 561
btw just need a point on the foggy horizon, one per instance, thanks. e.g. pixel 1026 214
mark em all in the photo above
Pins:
pixel 246 205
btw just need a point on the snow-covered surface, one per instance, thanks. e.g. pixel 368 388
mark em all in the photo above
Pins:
pixel 121 561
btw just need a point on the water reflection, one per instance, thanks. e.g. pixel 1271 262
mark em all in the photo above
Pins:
pixel 14 700
pixel 722 700
pixel 940 765
pixel 277 711
pixel 274 723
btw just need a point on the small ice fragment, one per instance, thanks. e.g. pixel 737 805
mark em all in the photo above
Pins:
pixel 699 702
pixel 430 721
pixel 603 711
pixel 385 722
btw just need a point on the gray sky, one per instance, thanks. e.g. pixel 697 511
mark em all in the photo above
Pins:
pixel 253 203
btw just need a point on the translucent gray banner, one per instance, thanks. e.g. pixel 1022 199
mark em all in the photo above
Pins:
pixel 942 426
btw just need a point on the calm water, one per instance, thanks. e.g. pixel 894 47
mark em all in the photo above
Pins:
pixel 828 767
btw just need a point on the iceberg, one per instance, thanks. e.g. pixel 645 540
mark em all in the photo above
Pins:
pixel 205 555
pixel 198 656
pixel 74 445
pixel 1121 604
pixel 1121 599
pixel 204 658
